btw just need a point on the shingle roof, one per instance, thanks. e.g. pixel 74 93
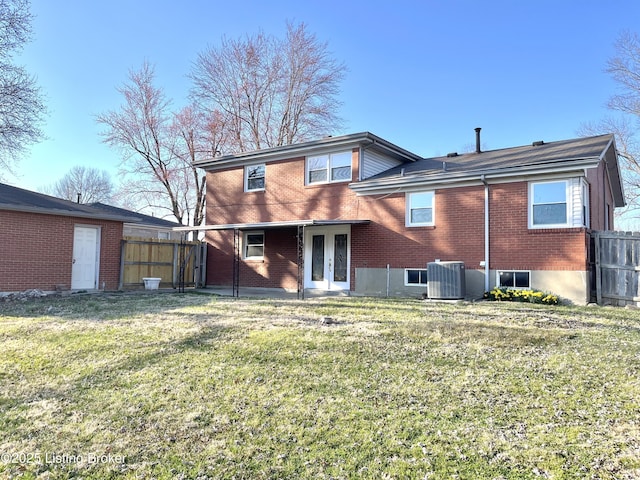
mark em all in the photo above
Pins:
pixel 143 219
pixel 537 158
pixel 546 153
pixel 21 200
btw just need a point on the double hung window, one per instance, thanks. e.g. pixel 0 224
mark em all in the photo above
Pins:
pixel 549 205
pixel 254 176
pixel 253 245
pixel 419 209
pixel 335 167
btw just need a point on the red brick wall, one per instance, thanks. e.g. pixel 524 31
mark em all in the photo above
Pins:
pixel 458 233
pixel 277 269
pixel 37 251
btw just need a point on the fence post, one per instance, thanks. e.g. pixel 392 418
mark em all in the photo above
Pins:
pixel 123 244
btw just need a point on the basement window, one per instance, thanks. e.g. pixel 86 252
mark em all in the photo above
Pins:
pixel 514 279
pixel 414 277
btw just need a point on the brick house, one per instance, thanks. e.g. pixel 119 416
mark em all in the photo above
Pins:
pixel 359 214
pixel 49 243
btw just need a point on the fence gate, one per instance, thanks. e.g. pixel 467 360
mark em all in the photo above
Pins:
pixel 177 262
pixel 617 267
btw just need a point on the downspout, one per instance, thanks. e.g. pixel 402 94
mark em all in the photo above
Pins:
pixel 486 234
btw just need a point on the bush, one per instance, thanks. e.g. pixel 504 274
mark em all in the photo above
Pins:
pixel 514 295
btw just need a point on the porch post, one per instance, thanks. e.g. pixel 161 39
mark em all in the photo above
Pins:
pixel 236 262
pixel 300 262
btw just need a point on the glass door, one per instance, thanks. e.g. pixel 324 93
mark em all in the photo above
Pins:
pixel 327 258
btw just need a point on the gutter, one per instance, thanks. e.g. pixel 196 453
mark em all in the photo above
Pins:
pixel 372 186
pixel 487 271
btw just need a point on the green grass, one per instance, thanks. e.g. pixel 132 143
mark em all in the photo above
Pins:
pixel 202 387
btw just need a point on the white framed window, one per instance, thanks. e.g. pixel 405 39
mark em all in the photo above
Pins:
pixel 559 203
pixel 254 177
pixel 420 209
pixel 334 167
pixel 415 277
pixel 253 245
pixel 549 204
pixel 513 279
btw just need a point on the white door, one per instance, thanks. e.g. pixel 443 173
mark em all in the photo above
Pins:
pixel 327 257
pixel 85 258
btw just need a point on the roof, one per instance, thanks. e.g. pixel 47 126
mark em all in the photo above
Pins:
pixel 283 152
pixel 20 200
pixel 539 157
pixel 142 218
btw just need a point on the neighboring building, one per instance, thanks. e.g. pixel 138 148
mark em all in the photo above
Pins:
pixel 53 244
pixel 359 214
pixel 146 225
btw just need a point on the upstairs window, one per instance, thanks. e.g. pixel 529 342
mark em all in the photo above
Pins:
pixel 335 167
pixel 254 178
pixel 419 209
pixel 549 205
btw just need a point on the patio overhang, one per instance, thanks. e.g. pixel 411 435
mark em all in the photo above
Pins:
pixel 267 225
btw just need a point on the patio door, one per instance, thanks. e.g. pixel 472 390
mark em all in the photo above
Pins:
pixel 327 257
pixel 86 252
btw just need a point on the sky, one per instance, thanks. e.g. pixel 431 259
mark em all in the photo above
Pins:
pixel 420 74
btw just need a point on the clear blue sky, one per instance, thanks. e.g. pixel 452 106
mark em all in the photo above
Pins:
pixel 422 74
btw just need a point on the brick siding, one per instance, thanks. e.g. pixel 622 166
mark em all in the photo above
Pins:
pixel 458 233
pixel 37 251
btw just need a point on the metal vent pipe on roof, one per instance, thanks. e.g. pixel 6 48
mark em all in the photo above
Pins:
pixel 478 139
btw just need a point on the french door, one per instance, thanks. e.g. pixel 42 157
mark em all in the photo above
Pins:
pixel 327 257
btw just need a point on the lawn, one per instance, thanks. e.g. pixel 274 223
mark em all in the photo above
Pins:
pixel 201 387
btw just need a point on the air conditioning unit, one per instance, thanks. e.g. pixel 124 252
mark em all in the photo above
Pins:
pixel 445 280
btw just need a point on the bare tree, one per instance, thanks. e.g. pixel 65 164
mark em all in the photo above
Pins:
pixel 196 134
pixel 21 105
pixel 158 148
pixel 271 91
pixel 83 185
pixel 140 129
pixel 624 68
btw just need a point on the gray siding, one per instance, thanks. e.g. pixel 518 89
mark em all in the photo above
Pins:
pixel 374 163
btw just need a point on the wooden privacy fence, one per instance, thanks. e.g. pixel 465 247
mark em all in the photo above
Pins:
pixel 617 267
pixel 178 263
